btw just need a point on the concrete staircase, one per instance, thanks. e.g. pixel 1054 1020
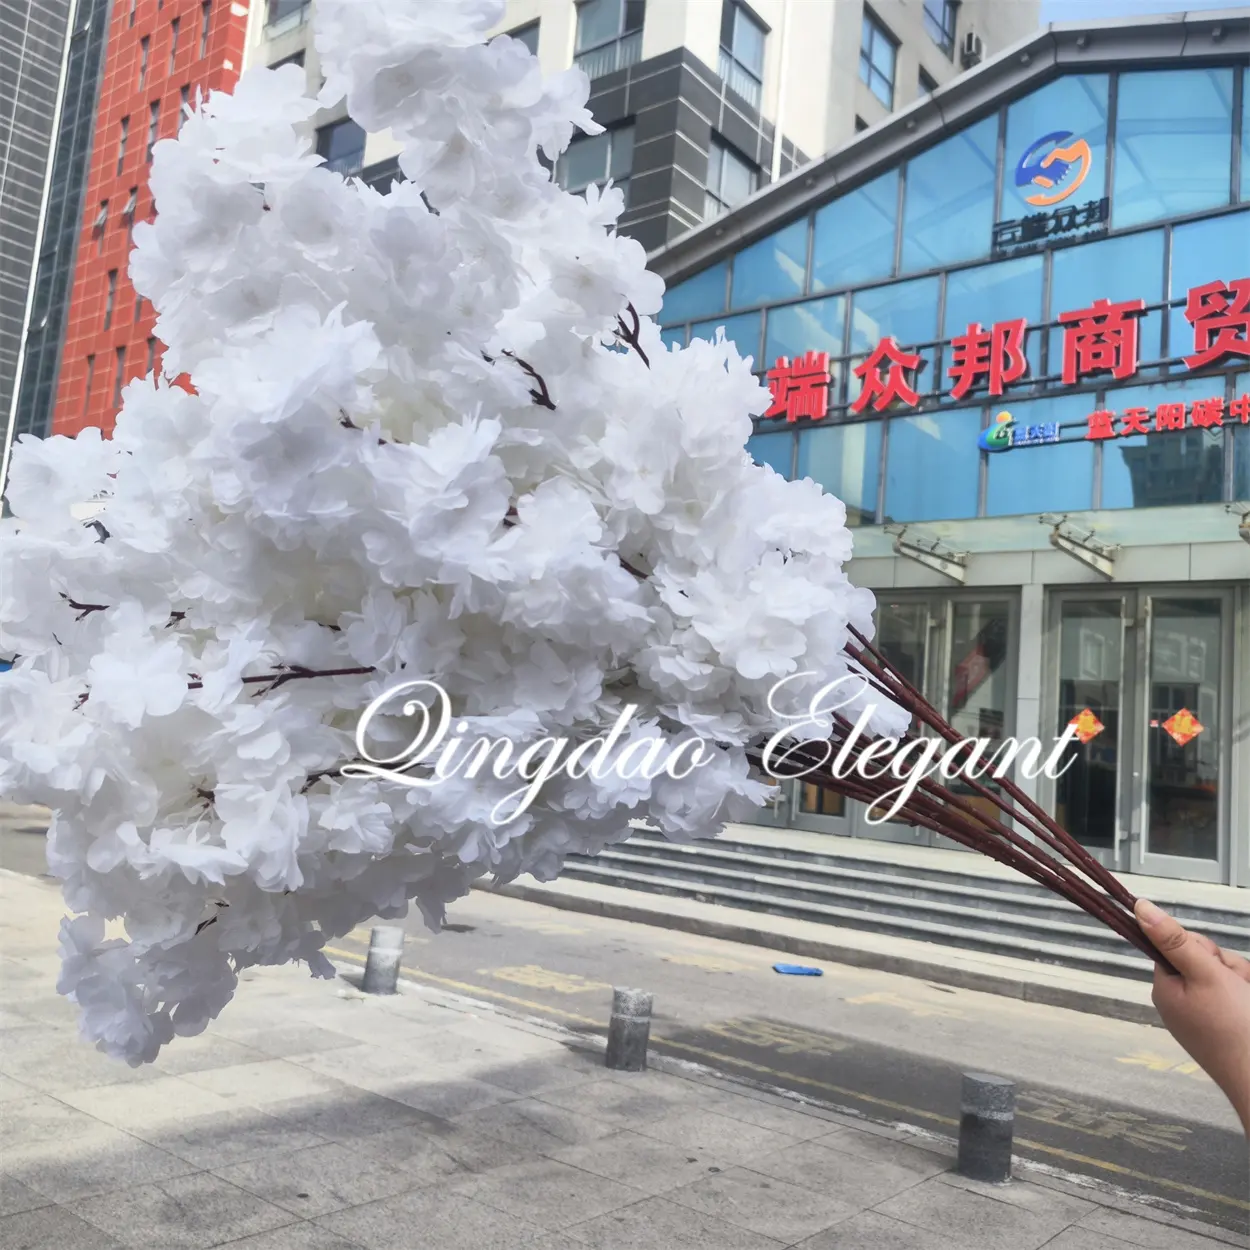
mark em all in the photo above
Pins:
pixel 949 905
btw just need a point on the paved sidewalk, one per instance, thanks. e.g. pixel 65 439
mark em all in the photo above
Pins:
pixel 313 1118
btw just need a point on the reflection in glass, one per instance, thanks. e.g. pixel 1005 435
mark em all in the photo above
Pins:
pixel 1245 135
pixel 743 331
pixel 949 199
pixel 1125 268
pixel 907 311
pixel 1241 463
pixel 1076 103
pixel 773 268
pixel 903 636
pixel 1162 469
pixel 1173 144
pixel 854 236
pixel 1204 251
pixel 1183 777
pixel 977 681
pixel 1090 674
pixel 1054 477
pixel 814 326
pixel 815 801
pixel 775 450
pixel 846 461
pixel 991 293
pixel 933 468
pixel 700 296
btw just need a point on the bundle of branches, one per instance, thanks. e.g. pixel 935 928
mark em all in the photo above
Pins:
pixel 993 819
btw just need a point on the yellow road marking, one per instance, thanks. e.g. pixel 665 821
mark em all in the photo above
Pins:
pixel 910 1005
pixel 1161 1063
pixel 536 977
pixel 1072 1156
pixel 708 963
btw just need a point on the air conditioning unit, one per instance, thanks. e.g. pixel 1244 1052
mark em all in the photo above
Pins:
pixel 971 50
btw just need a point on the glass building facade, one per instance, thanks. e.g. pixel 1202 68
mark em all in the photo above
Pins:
pixel 1051 491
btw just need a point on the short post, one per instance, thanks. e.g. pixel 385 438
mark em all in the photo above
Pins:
pixel 987 1114
pixel 386 948
pixel 629 1030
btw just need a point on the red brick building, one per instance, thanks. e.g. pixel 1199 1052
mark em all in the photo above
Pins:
pixel 159 54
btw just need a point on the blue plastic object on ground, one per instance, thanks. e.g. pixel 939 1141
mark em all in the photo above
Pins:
pixel 797 970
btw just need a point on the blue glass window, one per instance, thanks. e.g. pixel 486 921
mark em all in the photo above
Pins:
pixel 775 450
pixel 1245 135
pixel 904 311
pixel 1173 143
pixel 1060 116
pixel 1241 444
pixel 700 296
pixel 933 466
pixel 813 326
pixel 1125 268
pixel 1171 467
pixel 743 331
pixel 846 461
pixel 773 268
pixel 949 201
pixel 854 236
pixel 990 293
pixel 1205 251
pixel 1052 477
pixel 674 338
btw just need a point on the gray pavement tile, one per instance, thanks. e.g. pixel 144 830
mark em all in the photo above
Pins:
pixel 420 1154
pixel 356 1113
pixel 646 1163
pixel 535 1126
pixel 763 1204
pixel 879 1148
pixel 35 1124
pixel 231 1137
pixel 146 1104
pixel 871 1231
pixel 1086 1239
pixel 447 1098
pixel 781 1119
pixel 858 1182
pixel 301 1236
pixel 1153 1234
pixel 11 1089
pixel 266 1081
pixel 626 1104
pixel 1035 1198
pixel 52 1228
pixel 16 1196
pixel 656 1222
pixel 318 1180
pixel 536 1076
pixel 61 1062
pixel 100 1160
pixel 202 1052
pixel 431 1218
pixel 974 1220
pixel 548 1193
pixel 294 1039
pixel 734 1141
pixel 182 1214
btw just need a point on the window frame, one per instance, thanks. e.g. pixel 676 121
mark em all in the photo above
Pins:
pixel 715 195
pixel 942 30
pixel 145 48
pixel 612 136
pixel 733 70
pixel 206 13
pixel 334 163
pixel 871 29
pixel 175 27
pixel 519 32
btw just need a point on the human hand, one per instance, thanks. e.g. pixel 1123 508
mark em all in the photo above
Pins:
pixel 1207 1006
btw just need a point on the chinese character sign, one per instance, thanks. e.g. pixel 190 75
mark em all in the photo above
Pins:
pixel 1202 414
pixel 800 388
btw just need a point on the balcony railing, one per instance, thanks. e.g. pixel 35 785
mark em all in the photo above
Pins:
pixel 284 15
pixel 609 57
pixel 740 80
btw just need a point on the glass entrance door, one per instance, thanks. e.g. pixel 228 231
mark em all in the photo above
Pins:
pixel 1138 675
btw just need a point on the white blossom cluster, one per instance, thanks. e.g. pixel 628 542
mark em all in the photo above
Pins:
pixel 415 446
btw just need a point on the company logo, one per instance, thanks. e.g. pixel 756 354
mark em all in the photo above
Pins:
pixel 997 437
pixel 1058 164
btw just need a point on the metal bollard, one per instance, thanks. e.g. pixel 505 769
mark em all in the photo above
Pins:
pixel 386 948
pixel 987 1114
pixel 629 1030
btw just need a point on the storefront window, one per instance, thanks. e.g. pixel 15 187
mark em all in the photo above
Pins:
pixel 949 201
pixel 978 677
pixel 1167 468
pixel 904 311
pixel 933 466
pixel 814 326
pixel 773 268
pixel 1067 112
pixel 775 450
pixel 700 296
pixel 1126 268
pixel 993 293
pixel 1217 249
pixel 743 331
pixel 1173 145
pixel 1053 477
pixel 846 461
pixel 1241 445
pixel 854 236
pixel 1245 135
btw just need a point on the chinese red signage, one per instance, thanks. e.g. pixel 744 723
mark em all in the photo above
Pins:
pixel 1101 341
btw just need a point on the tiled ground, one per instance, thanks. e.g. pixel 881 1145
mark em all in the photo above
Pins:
pixel 312 1118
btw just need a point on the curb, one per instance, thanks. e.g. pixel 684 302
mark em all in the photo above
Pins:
pixel 934 969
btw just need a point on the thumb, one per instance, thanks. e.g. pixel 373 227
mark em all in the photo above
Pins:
pixel 1172 939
